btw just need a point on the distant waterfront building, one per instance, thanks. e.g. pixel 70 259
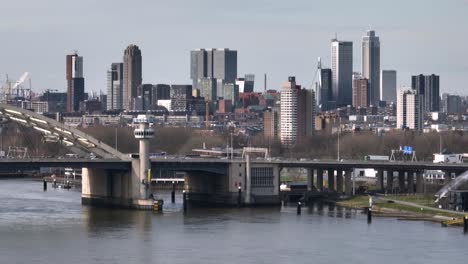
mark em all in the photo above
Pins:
pixel 428 87
pixel 388 86
pixel 146 92
pixel 75 82
pixel 213 63
pixel 271 123
pixel 115 87
pixel 161 92
pixel 132 75
pixel 297 113
pixel 409 110
pixel 370 63
pixel 342 71
pixel 453 104
pixel 360 91
pixel 180 97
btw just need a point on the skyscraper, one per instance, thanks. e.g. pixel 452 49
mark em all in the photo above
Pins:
pixel 371 65
pixel 132 76
pixel 115 86
pixel 75 82
pixel 388 86
pixel 428 88
pixel 342 71
pixel 360 89
pixel 409 110
pixel 218 64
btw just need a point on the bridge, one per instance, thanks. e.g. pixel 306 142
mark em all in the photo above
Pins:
pixel 118 179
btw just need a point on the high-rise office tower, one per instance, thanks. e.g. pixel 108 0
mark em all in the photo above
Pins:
pixel 323 88
pixel 75 82
pixel 409 110
pixel 428 88
pixel 132 75
pixel 115 86
pixel 297 113
pixel 453 104
pixel 218 64
pixel 342 71
pixel 180 96
pixel 388 86
pixel 370 63
pixel 360 89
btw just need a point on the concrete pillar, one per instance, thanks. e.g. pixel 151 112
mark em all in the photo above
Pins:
pixel 420 182
pixel 248 178
pixel 348 182
pixel 339 181
pixel 331 180
pixel 447 177
pixel 310 178
pixel 401 181
pixel 410 182
pixel 380 180
pixel 320 180
pixel 389 181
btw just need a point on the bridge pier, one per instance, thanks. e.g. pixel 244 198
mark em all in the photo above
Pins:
pixel 331 180
pixel 411 182
pixel 420 182
pixel 380 180
pixel 310 179
pixel 348 182
pixel 401 181
pixel 447 177
pixel 389 181
pixel 339 181
pixel 320 180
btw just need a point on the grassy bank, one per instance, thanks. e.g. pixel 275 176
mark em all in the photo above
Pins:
pixel 394 209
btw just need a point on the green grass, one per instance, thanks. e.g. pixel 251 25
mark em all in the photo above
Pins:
pixel 359 201
pixel 412 209
pixel 426 200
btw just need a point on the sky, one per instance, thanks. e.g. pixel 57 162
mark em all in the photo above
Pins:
pixel 279 38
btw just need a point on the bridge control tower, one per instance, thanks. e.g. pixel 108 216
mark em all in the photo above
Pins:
pixel 143 132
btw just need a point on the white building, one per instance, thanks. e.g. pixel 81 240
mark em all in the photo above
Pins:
pixel 297 113
pixel 342 72
pixel 288 113
pixel 409 110
pixel 388 86
pixel 370 63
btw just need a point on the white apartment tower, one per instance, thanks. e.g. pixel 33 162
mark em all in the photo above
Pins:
pixel 288 113
pixel 409 110
pixel 370 63
pixel 297 113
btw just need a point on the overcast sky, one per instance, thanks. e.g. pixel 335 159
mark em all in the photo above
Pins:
pixel 280 38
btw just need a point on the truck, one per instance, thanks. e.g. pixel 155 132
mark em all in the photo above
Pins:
pixel 377 157
pixel 447 158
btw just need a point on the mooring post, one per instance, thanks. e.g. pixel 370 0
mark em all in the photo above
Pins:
pixel 465 224
pixel 184 200
pixel 369 215
pixel 173 192
pixel 239 196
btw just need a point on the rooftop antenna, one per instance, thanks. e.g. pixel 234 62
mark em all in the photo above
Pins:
pixel 265 83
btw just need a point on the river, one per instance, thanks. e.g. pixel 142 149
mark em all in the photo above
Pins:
pixel 53 227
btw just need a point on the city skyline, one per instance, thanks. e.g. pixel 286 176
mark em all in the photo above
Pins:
pixel 410 47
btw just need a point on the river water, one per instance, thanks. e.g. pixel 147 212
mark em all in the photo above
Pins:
pixel 53 227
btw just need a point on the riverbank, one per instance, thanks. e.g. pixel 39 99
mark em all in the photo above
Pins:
pixel 411 207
